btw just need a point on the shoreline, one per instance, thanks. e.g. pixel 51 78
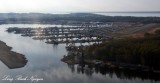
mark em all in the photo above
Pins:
pixel 10 58
pixel 112 65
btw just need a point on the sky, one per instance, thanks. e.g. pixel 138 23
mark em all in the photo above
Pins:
pixel 61 6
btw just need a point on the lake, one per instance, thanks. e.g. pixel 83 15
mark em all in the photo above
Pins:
pixel 44 61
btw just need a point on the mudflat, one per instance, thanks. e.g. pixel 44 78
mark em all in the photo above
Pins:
pixel 11 59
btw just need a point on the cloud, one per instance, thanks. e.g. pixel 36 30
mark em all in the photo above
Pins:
pixel 51 6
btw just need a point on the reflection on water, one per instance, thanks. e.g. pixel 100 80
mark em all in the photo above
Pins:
pixel 44 60
pixel 89 70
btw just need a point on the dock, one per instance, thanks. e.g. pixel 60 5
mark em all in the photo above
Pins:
pixel 57 35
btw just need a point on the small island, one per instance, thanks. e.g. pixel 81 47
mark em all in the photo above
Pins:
pixel 11 59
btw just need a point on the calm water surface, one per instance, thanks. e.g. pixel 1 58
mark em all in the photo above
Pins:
pixel 44 62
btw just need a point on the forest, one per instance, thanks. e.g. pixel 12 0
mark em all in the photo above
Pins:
pixel 138 51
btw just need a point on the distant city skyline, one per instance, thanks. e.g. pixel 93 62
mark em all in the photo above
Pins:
pixel 66 6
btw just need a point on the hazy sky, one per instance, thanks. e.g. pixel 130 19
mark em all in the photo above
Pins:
pixel 54 6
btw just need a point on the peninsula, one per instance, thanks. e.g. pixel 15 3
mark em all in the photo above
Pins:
pixel 11 59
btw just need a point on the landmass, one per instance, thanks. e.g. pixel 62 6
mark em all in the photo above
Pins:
pixel 70 19
pixel 127 53
pixel 11 59
pixel 127 41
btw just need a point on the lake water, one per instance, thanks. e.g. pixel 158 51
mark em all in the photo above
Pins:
pixel 44 61
pixel 136 14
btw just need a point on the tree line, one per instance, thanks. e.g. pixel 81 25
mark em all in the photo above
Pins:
pixel 6 18
pixel 138 51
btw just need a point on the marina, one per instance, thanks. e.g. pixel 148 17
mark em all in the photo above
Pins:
pixel 79 41
pixel 44 60
pixel 57 35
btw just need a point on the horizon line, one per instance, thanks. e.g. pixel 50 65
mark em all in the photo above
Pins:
pixel 82 12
